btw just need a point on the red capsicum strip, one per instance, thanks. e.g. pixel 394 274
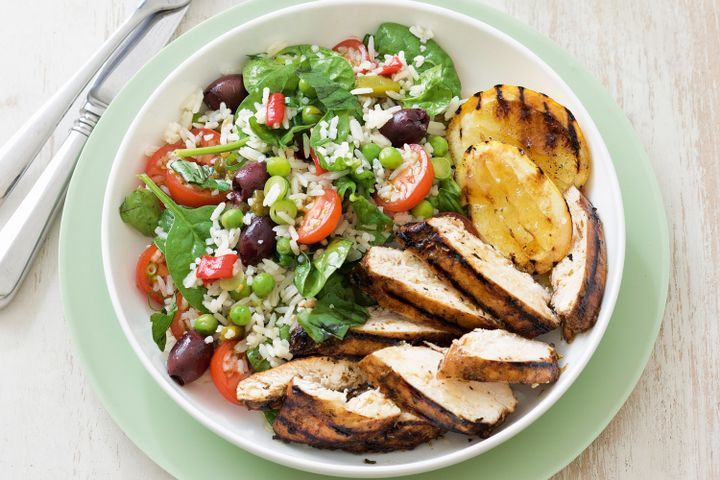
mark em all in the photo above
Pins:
pixel 215 268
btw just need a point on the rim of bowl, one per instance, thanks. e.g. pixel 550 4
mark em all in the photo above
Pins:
pixel 566 380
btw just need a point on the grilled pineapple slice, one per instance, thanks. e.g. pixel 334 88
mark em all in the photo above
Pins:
pixel 546 130
pixel 514 205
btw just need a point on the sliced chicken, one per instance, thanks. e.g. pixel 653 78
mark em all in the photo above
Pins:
pixel 499 356
pixel 578 281
pixel 408 376
pixel 382 329
pixel 408 432
pixel 264 390
pixel 326 418
pixel 482 273
pixel 402 282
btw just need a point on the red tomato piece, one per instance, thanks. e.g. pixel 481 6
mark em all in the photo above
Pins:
pixel 275 110
pixel 322 218
pixel 227 368
pixel 191 195
pixel 355 53
pixel 215 268
pixel 413 183
pixel 150 265
pixel 156 164
pixel 390 67
pixel 318 169
pixel 178 326
pixel 206 138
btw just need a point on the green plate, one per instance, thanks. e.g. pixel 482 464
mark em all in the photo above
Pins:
pixel 166 433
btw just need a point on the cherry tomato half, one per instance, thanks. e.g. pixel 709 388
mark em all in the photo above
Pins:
pixel 275 110
pixel 206 138
pixel 190 195
pixel 156 164
pixel 355 53
pixel 150 265
pixel 390 67
pixel 413 183
pixel 178 326
pixel 225 370
pixel 322 218
pixel 318 169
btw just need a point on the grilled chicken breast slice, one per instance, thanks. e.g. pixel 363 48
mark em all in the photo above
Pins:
pixel 409 432
pixel 383 329
pixel 482 273
pixel 396 278
pixel 264 390
pixel 578 281
pixel 326 418
pixel 499 356
pixel 408 376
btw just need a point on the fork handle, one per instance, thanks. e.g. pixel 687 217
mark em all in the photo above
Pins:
pixel 22 235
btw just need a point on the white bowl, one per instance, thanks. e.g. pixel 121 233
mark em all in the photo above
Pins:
pixel 484 57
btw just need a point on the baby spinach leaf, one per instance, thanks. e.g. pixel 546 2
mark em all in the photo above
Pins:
pixel 345 186
pixel 270 416
pixel 371 219
pixel 165 225
pixel 448 197
pixel 343 130
pixel 310 277
pixel 327 63
pixel 436 94
pixel 391 38
pixel 160 323
pixel 257 362
pixel 263 132
pixel 185 241
pixel 337 310
pixel 333 96
pixel 141 210
pixel 261 71
pixel 199 175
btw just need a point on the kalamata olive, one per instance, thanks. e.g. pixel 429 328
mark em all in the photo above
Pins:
pixel 250 177
pixel 406 126
pixel 228 89
pixel 189 358
pixel 257 241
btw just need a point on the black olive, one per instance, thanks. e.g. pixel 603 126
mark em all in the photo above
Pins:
pixel 228 88
pixel 189 358
pixel 406 126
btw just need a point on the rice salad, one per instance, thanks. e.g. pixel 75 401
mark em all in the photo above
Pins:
pixel 274 181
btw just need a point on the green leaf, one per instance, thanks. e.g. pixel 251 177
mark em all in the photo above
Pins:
pixel 257 362
pixel 326 62
pixel 141 210
pixel 391 38
pixel 185 241
pixel 372 220
pixel 265 72
pixel 165 225
pixel 337 310
pixel 263 132
pixel 270 416
pixel 310 277
pixel 199 175
pixel 343 130
pixel 160 323
pixel 334 96
pixel 345 186
pixel 448 197
pixel 436 94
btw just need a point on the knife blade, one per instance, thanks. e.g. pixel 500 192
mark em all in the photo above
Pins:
pixel 138 49
pixel 24 231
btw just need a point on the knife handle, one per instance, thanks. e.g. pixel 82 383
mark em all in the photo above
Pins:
pixel 22 148
pixel 22 235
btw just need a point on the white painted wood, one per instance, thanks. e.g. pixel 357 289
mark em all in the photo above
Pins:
pixel 656 58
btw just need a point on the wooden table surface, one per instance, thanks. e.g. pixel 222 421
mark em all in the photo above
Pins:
pixel 659 61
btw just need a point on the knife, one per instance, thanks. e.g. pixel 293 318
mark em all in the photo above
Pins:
pixel 22 235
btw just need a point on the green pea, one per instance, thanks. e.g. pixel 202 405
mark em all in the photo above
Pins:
pixel 423 209
pixel 230 332
pixel 241 292
pixel 240 315
pixel 283 206
pixel 278 166
pixel 370 151
pixel 311 114
pixel 442 167
pixel 206 324
pixel 283 246
pixel 263 284
pixel 390 157
pixel 274 183
pixel 307 89
pixel 439 144
pixel 232 218
pixel 285 260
